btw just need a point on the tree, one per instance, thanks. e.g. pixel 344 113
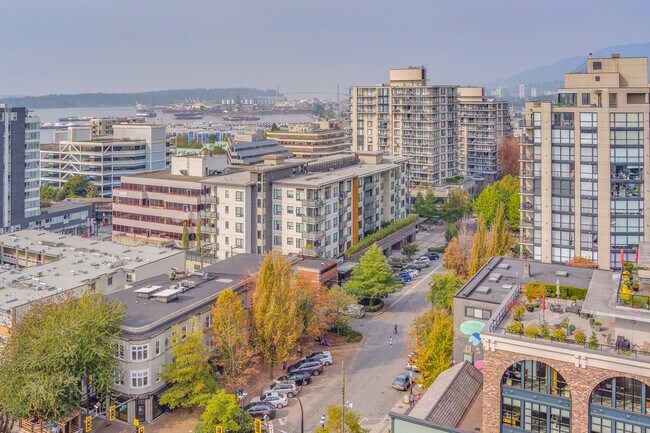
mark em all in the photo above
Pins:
pixel 504 191
pixel 222 409
pixel 455 260
pixel 314 307
pixel 479 255
pixel 582 262
pixel 508 156
pixel 276 321
pixel 48 192
pixel 339 299
pixel 51 348
pixel 199 235
pixel 500 238
pixel 426 206
pixel 334 422
pixel 455 205
pixel 191 377
pixel 231 338
pixel 76 186
pixel 442 290
pixel 451 232
pixel 275 127
pixel 432 338
pixel 409 250
pixel 185 237
pixel 371 277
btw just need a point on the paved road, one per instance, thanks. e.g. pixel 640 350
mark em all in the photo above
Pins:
pixel 369 368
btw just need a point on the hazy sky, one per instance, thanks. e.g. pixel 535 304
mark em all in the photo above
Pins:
pixel 69 46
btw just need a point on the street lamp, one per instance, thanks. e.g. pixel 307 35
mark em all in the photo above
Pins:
pixel 241 394
pixel 302 416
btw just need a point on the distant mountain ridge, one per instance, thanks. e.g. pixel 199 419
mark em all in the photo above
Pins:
pixel 553 74
pixel 156 97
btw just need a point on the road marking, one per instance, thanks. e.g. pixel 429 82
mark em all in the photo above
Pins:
pixel 282 421
pixel 424 279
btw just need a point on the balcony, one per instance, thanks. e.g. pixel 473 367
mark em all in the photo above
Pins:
pixel 209 199
pixel 527 190
pixel 526 222
pixel 312 251
pixel 369 185
pixel 319 219
pixel 528 240
pixel 526 206
pixel 207 213
pixel 312 203
pixel 368 199
pixel 210 230
pixel 528 174
pixel 313 235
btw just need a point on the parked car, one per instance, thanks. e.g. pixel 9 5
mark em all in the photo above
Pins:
pixel 355 310
pixel 404 278
pixel 287 387
pixel 313 367
pixel 324 357
pixel 432 255
pixel 301 378
pixel 412 267
pixel 275 398
pixel 412 272
pixel 402 382
pixel 424 259
pixel 261 409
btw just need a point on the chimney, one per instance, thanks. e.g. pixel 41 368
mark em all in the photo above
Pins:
pixel 526 270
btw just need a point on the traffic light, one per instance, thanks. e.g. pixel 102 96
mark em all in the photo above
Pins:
pixel 218 429
pixel 89 423
pixel 111 413
pixel 258 425
pixel 141 429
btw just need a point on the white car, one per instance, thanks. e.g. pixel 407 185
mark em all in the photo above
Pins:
pixel 276 399
pixel 423 261
pixel 324 357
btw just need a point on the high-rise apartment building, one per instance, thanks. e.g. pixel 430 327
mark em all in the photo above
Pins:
pixel 19 156
pixel 522 91
pixel 131 149
pixel 481 124
pixel 584 179
pixel 407 117
pixel 311 140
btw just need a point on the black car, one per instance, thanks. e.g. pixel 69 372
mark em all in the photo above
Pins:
pixel 432 255
pixel 301 378
pixel 312 367
pixel 260 409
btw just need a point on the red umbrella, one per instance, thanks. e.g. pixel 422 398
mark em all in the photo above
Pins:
pixel 622 257
pixel 543 303
pixel 636 259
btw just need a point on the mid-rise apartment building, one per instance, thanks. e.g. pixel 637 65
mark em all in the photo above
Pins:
pixel 408 117
pixel 584 177
pixel 101 127
pixel 131 149
pixel 312 140
pixel 251 148
pixel 19 189
pixel 481 124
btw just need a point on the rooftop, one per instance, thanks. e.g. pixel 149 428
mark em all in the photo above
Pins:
pixel 158 301
pixel 316 264
pixel 167 175
pixel 328 177
pixel 242 178
pixel 75 261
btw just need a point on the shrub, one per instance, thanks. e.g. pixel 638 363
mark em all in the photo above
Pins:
pixel 635 285
pixel 626 293
pixel 559 335
pixel 544 332
pixel 533 290
pixel 380 234
pixel 627 274
pixel 565 323
pixel 531 331
pixel 629 265
pixel 518 313
pixel 515 327
pixel 372 304
pixel 572 328
pixel 580 337
pixel 593 341
pixel 566 292
pixel 438 250
pixel 640 301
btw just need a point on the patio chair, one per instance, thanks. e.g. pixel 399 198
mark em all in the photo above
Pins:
pixel 645 349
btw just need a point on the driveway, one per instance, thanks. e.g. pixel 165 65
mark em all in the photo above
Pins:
pixel 370 366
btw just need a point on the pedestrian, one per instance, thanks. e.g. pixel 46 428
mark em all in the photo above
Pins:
pixel 299 350
pixel 322 421
pixel 396 328
pixel 284 365
pixel 411 400
pixel 390 341
pixel 419 397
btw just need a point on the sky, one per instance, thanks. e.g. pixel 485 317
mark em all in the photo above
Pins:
pixel 302 46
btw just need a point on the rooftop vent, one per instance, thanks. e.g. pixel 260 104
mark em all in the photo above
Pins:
pixel 494 277
pixel 561 274
pixel 507 286
pixel 483 290
pixel 147 292
pixel 503 266
pixel 166 296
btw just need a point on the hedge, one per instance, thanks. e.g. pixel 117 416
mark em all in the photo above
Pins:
pixel 566 292
pixel 380 234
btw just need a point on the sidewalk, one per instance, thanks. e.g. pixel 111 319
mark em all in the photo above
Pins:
pixel 383 426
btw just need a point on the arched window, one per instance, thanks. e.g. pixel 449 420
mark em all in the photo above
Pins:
pixel 534 397
pixel 620 404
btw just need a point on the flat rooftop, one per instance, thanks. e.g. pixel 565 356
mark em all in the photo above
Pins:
pixel 329 177
pixel 145 316
pixel 242 178
pixel 510 273
pixel 76 261
pixel 167 175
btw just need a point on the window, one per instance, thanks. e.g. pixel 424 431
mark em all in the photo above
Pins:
pixel 110 281
pixel 239 227
pixel 227 209
pixel 120 351
pixel 586 99
pixel 613 100
pixel 277 240
pixel 157 347
pixel 277 225
pixel 597 66
pixel 129 278
pixel 239 242
pixel 139 353
pixel 159 371
pixel 597 78
pixel 277 209
pixel 184 332
pixel 239 211
pixel 290 209
pixel 227 224
pixel 277 193
pixel 139 379
pixel 477 313
pixel 289 225
pixel 620 396
pixel 289 193
pixel 289 241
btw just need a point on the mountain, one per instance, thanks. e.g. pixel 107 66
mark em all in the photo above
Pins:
pixel 553 74
pixel 158 97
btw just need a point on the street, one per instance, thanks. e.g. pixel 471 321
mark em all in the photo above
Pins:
pixel 370 367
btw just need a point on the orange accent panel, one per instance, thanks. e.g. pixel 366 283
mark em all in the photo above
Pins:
pixel 355 210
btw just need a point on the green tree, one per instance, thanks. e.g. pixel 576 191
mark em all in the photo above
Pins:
pixel 334 422
pixel 500 238
pixel 339 299
pixel 199 234
pixel 185 237
pixel 275 127
pixel 222 409
pixel 442 289
pixel 432 338
pixel 426 206
pixel 479 255
pixel 451 232
pixel 76 186
pixel 504 191
pixel 371 277
pixel 48 192
pixel 409 250
pixel 455 205
pixel 233 347
pixel 276 321
pixel 191 377
pixel 51 348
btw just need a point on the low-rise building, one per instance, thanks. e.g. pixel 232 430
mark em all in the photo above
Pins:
pixel 252 148
pixel 38 264
pixel 312 140
pixel 321 272
pixel 101 127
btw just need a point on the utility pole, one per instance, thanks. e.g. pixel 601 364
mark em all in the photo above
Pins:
pixel 343 397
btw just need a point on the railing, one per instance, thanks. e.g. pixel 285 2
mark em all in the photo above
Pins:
pixel 526 206
pixel 210 230
pixel 313 235
pixel 503 309
pixel 209 199
pixel 313 251
pixel 313 219
pixel 312 202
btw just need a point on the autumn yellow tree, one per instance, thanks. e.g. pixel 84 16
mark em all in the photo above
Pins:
pixel 276 322
pixel 432 338
pixel 231 336
pixel 314 307
pixel 479 255
pixel 455 260
pixel 500 239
